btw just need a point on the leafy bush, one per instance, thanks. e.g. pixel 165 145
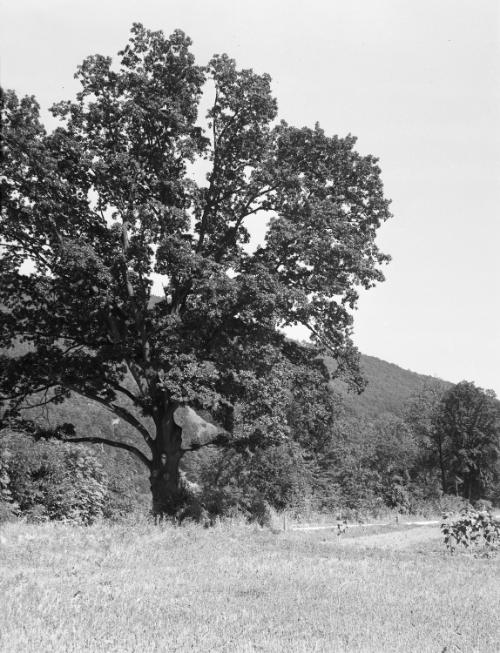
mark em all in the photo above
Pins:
pixel 249 483
pixel 472 528
pixel 8 506
pixel 483 504
pixel 49 480
pixel 80 494
pixel 452 504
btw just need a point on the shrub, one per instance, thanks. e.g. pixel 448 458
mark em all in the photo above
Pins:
pixel 249 483
pixel 483 504
pixel 472 528
pixel 8 506
pixel 80 494
pixel 49 480
pixel 259 512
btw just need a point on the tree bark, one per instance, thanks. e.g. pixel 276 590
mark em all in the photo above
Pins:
pixel 166 490
pixel 442 465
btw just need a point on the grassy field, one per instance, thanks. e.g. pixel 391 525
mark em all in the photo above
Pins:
pixel 118 589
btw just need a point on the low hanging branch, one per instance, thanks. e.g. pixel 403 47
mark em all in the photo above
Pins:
pixel 110 443
pixel 65 433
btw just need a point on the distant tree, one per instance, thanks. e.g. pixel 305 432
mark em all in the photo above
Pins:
pixel 314 408
pixel 111 196
pixel 468 419
pixel 394 459
pixel 346 477
pixel 421 413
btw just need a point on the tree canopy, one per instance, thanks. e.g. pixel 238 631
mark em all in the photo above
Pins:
pixel 458 430
pixel 114 194
pixel 468 419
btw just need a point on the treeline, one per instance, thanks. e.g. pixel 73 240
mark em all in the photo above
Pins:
pixel 442 450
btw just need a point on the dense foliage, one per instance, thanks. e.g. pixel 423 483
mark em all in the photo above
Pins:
pixel 51 481
pixel 459 433
pixel 468 419
pixel 112 196
pixel 358 467
pixel 472 528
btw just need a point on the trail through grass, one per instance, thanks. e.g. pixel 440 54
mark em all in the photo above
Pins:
pixel 114 589
pixel 395 539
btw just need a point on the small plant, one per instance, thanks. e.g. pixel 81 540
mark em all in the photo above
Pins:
pixel 8 507
pixel 472 528
pixel 341 527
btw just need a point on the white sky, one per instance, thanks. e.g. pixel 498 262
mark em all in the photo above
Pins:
pixel 417 81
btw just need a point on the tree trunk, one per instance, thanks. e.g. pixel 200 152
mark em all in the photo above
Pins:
pixel 166 490
pixel 442 466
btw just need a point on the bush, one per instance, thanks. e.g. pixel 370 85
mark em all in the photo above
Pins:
pixel 483 504
pixel 249 483
pixel 81 492
pixel 8 506
pixel 259 512
pixel 49 480
pixel 472 528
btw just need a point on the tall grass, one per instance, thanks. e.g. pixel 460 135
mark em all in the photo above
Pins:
pixel 236 588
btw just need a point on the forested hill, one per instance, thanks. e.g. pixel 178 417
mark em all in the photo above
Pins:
pixel 388 388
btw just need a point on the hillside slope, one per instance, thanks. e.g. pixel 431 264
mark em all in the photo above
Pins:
pixel 388 388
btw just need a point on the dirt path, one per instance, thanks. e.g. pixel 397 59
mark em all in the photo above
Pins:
pixel 419 532
pixel 328 527
pixel 396 540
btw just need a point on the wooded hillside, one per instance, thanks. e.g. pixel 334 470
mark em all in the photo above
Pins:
pixel 388 388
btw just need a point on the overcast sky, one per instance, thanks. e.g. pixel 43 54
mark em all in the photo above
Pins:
pixel 417 81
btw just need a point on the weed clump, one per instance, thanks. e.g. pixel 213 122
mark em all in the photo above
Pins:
pixel 476 529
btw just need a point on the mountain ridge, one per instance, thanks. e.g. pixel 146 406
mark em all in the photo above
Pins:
pixel 388 387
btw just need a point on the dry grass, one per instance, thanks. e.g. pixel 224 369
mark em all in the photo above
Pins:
pixel 116 589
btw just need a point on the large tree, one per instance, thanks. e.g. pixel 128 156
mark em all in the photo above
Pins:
pixel 468 419
pixel 114 194
pixel 457 429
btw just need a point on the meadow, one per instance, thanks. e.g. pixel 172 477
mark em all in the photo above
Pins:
pixel 112 588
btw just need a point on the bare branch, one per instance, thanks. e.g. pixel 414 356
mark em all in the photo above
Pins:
pixel 119 411
pixel 221 439
pixel 119 388
pixel 45 402
pixel 110 443
pixel 137 374
pixel 133 421
pixel 25 393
